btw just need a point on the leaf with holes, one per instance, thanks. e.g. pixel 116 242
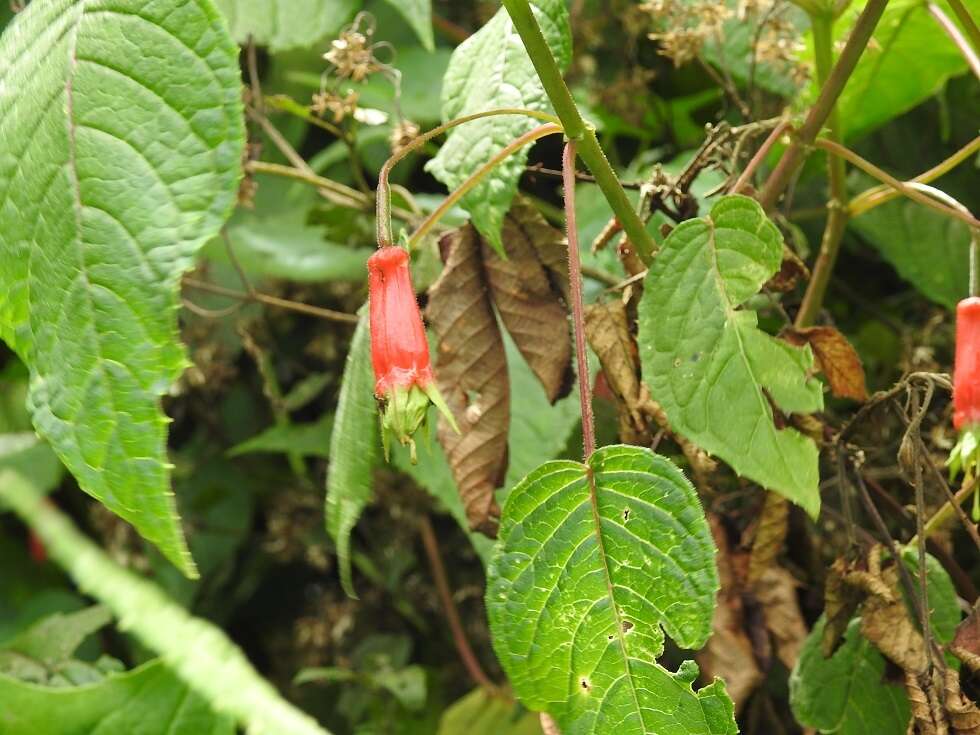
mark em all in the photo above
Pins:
pixel 286 24
pixel 595 564
pixel 491 70
pixel 122 130
pixel 707 363
pixel 354 452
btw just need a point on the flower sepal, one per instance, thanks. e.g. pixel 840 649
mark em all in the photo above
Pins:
pixel 965 456
pixel 405 411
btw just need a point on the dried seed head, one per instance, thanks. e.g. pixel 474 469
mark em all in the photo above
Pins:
pixel 404 132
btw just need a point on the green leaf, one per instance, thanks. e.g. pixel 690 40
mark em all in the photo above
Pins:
pixel 149 700
pixel 846 693
pixel 594 565
pixel 286 24
pixel 930 251
pixel 707 363
pixel 484 713
pixel 418 13
pixel 304 440
pixel 197 651
pixel 490 70
pixel 908 60
pixel 353 450
pixel 129 115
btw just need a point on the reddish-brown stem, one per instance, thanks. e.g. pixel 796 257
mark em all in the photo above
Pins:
pixel 466 654
pixel 578 310
pixel 760 156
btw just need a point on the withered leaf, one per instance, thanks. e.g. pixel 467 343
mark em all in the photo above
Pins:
pixel 608 333
pixel 836 358
pixel 471 371
pixel 775 591
pixel 966 642
pixel 770 533
pixel 729 653
pixel 791 271
pixel 530 291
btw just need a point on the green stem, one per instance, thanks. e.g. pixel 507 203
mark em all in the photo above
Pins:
pixel 878 195
pixel 823 45
pixel 477 176
pixel 909 191
pixel 576 128
pixel 384 188
pixel 791 160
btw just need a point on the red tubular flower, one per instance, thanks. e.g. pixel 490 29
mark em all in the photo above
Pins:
pixel 966 376
pixel 399 349
pixel 966 389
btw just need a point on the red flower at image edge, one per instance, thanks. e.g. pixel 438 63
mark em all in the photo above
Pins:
pixel 966 387
pixel 399 349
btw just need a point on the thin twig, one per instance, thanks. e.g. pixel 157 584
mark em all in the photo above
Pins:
pixel 261 298
pixel 760 156
pixel 466 654
pixel 578 310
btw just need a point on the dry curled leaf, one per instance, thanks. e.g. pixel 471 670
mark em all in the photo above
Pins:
pixel 835 357
pixel 791 271
pixel 471 370
pixel 530 290
pixel 608 333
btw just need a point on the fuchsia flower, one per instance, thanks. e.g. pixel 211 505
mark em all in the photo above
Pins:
pixel 404 382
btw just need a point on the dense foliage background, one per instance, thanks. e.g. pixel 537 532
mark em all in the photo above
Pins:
pixel 369 614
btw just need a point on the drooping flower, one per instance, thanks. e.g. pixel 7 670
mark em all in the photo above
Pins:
pixel 966 388
pixel 404 381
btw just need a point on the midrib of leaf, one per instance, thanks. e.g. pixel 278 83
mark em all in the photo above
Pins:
pixel 597 523
pixel 731 316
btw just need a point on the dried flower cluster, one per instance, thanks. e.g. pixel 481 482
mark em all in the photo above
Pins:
pixel 684 28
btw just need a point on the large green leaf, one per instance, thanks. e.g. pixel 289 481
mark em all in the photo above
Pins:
pixel 149 700
pixel 848 693
pixel 707 363
pixel 354 449
pixel 197 651
pixel 594 565
pixel 929 250
pixel 286 24
pixel 908 60
pixel 122 136
pixel 489 70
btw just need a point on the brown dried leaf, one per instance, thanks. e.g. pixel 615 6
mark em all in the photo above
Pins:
pixel 608 332
pixel 885 620
pixel 835 357
pixel 966 642
pixel 791 271
pixel 776 593
pixel 840 602
pixel 770 534
pixel 471 371
pixel 964 715
pixel 530 290
pixel 729 652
